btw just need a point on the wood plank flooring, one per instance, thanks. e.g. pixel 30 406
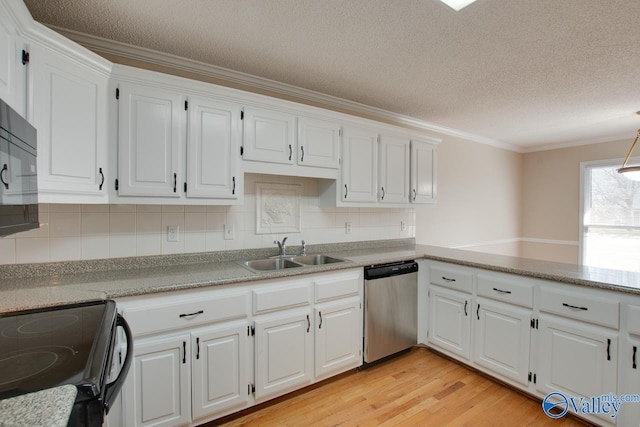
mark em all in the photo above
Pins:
pixel 420 388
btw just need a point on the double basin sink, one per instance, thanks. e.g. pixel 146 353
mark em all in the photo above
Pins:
pixel 289 261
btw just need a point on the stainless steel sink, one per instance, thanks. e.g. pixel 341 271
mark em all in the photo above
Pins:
pixel 316 259
pixel 270 264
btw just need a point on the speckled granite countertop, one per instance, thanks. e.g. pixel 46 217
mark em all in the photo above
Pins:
pixel 50 408
pixel 34 286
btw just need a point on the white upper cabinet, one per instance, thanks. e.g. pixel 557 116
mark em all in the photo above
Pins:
pixel 151 134
pixel 423 172
pixel 393 169
pixel 269 136
pixel 13 82
pixel 212 146
pixel 68 107
pixel 318 143
pixel 360 165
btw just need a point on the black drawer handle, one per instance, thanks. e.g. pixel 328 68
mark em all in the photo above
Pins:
pixel 184 352
pixel 346 191
pixel 414 194
pixel 608 348
pixel 198 348
pixel 195 313
pixel 574 307
pixel 500 291
pixel 233 191
pixel 5 183
pixel 320 314
pixel 382 193
pixel 478 312
pixel 446 279
pixel 465 307
pixel 175 182
pixel 635 350
pixel 302 149
pixel 102 180
pixel 290 152
pixel 308 324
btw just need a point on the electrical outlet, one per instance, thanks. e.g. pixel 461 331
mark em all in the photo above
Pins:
pixel 229 231
pixel 173 233
pixel 403 226
pixel 347 227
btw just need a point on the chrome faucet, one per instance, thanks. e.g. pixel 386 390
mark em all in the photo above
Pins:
pixel 304 248
pixel 282 246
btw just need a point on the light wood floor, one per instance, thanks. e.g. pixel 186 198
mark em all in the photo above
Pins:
pixel 420 388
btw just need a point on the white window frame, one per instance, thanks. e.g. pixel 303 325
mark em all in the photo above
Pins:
pixel 585 188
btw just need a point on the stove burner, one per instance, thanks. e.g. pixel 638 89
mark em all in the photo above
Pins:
pixel 23 365
pixel 41 326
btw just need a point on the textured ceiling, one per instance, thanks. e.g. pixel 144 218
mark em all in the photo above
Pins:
pixel 523 72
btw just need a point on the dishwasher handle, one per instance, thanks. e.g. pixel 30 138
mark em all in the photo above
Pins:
pixel 387 270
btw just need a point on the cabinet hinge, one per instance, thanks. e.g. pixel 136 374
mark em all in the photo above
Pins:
pixel 241 114
pixel 251 331
pixel 533 377
pixel 185 187
pixel 534 323
pixel 25 57
pixel 117 186
pixel 117 93
pixel 186 105
pixel 251 388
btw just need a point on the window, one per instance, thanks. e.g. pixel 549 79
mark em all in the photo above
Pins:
pixel 610 217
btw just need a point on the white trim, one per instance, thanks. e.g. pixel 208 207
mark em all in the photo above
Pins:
pixel 110 47
pixel 487 243
pixel 579 143
pixel 549 241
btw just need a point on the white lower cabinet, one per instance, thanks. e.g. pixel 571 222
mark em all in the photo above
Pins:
pixel 502 339
pixel 338 337
pixel 157 390
pixel 450 321
pixel 629 364
pixel 284 354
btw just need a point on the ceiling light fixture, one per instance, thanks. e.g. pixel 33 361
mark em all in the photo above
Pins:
pixel 457 5
pixel 631 172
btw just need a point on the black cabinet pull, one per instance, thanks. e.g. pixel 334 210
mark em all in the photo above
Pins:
pixel 5 168
pixel 446 279
pixel 233 191
pixel 414 194
pixel 500 291
pixel 478 312
pixel 175 182
pixel 382 193
pixel 634 364
pixel 290 152
pixel 308 324
pixel 198 348
pixel 184 352
pixel 302 149
pixel 102 180
pixel 465 307
pixel 346 191
pixel 195 313
pixel 574 307
pixel 320 314
pixel 608 348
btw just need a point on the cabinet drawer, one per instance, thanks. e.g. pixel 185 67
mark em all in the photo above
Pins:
pixel 633 321
pixel 148 319
pixel 295 294
pixel 505 288
pixel 452 277
pixel 337 286
pixel 589 308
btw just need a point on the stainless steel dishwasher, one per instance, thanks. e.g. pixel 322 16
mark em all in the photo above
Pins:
pixel 390 310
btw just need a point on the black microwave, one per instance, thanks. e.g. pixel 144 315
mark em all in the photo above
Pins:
pixel 18 173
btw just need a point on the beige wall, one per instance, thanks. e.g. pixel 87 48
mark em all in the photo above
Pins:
pixel 479 199
pixel 551 202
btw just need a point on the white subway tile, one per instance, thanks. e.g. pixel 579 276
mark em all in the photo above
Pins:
pixel 94 224
pixel 7 251
pixel 195 241
pixel 94 246
pixel 216 221
pixel 148 208
pixel 148 223
pixel 148 244
pixel 94 208
pixel 64 248
pixel 122 208
pixel 172 208
pixel 64 208
pixel 214 241
pixel 122 224
pixel 195 209
pixel 122 245
pixel 64 224
pixel 32 250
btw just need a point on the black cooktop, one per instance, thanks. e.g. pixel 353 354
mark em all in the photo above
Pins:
pixel 49 347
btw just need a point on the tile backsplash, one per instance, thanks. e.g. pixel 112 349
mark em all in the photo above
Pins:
pixel 77 232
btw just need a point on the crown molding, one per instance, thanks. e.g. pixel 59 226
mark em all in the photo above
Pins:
pixel 610 138
pixel 109 47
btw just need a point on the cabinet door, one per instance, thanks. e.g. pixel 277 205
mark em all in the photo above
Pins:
pixel 502 339
pixel 338 338
pixel 450 321
pixel 593 373
pixel 212 150
pixel 394 170
pixel 269 135
pixel 630 381
pixel 284 354
pixel 423 172
pixel 318 143
pixel 219 369
pixel 69 109
pixel 13 87
pixel 150 139
pixel 360 165
pixel 158 387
